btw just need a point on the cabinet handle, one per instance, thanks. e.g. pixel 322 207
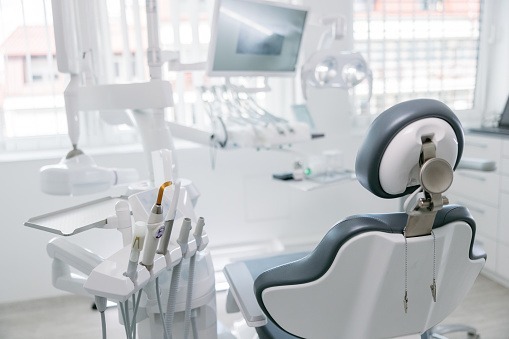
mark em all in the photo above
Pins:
pixel 476 144
pixel 472 208
pixel 471 176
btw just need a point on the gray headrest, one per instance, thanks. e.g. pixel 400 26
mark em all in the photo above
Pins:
pixel 386 126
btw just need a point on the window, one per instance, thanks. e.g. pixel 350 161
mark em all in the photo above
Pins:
pixel 32 114
pixel 420 48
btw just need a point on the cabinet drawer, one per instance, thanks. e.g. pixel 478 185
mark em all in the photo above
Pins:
pixel 503 223
pixel 503 166
pixel 482 147
pixel 490 247
pixel 505 148
pixel 504 183
pixel 486 217
pixel 480 186
pixel 502 261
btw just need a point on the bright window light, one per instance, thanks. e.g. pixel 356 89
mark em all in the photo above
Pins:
pixel 186 33
pixel 420 49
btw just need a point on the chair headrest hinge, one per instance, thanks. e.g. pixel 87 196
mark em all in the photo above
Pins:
pixel 422 206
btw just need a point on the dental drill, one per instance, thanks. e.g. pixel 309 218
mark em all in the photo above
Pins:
pixel 155 229
pixel 168 224
pixel 164 242
pixel 175 278
pixel 198 230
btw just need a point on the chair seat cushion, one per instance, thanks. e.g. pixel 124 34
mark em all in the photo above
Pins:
pixel 257 267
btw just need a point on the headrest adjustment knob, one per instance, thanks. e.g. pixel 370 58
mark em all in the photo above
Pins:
pixel 436 177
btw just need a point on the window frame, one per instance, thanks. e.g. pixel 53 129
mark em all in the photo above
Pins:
pixel 472 115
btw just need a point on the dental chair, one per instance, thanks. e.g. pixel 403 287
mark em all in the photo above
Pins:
pixel 393 275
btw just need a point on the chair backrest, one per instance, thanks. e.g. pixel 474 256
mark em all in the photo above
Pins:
pixel 366 279
pixel 353 284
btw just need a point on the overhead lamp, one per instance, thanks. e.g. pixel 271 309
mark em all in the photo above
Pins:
pixel 330 68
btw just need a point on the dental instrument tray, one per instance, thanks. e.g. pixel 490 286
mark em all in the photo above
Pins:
pixel 77 219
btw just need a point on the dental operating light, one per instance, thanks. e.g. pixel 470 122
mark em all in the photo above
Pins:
pixel 329 68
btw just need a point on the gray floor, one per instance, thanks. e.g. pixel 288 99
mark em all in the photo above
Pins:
pixel 486 308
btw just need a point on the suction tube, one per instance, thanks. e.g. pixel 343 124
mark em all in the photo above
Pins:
pixel 175 279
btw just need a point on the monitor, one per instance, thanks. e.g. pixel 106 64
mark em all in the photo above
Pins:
pixel 255 38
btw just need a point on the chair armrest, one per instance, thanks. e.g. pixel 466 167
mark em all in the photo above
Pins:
pixel 241 287
pixel 67 255
pixel 73 255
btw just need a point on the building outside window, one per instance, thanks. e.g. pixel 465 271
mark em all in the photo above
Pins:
pixel 420 48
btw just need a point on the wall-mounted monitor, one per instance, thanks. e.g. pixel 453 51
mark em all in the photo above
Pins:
pixel 255 38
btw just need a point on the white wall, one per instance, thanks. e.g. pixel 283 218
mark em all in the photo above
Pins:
pixel 497 88
pixel 25 265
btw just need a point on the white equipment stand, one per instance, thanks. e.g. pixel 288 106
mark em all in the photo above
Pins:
pixel 104 278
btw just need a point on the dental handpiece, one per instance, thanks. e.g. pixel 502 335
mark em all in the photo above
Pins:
pixel 175 278
pixel 136 247
pixel 184 235
pixel 198 230
pixel 155 229
pixel 168 224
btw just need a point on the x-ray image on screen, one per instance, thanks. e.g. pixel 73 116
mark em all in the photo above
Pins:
pixel 252 37
pixel 252 41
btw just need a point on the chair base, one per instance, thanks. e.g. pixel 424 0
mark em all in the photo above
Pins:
pixel 438 331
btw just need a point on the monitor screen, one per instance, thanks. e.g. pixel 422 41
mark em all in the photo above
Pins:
pixel 255 38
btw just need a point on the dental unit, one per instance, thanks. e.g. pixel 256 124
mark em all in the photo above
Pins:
pixel 122 279
pixel 329 68
pixel 130 276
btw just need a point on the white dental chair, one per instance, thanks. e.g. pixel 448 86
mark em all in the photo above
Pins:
pixel 392 275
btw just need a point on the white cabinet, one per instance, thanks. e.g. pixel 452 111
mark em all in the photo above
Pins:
pixel 486 195
pixel 479 186
pixel 503 222
pixel 486 217
pixel 503 263
pixel 490 246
